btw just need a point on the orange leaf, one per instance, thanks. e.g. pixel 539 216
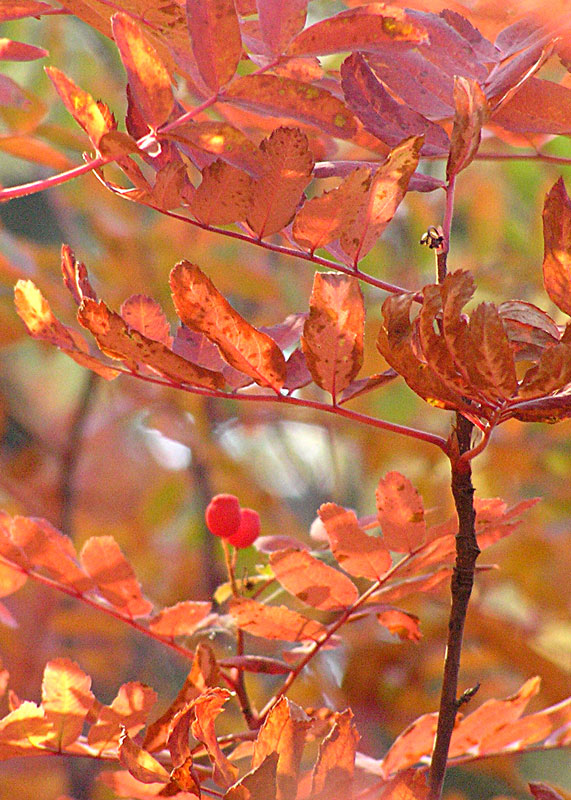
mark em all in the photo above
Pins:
pixel 332 340
pixel 114 576
pixel 179 620
pixel 274 622
pixel 312 581
pixel 145 315
pixel 38 318
pixel 257 784
pixel 409 785
pixel 286 97
pixel 323 219
pixel 359 28
pixel 220 139
pixel 81 105
pixel 283 732
pixel 389 185
pixel 413 743
pixel 148 77
pixel 359 554
pixel 66 699
pixel 471 113
pixel 557 246
pixel 490 718
pixel 400 512
pixel 18 51
pixel 23 730
pixel 333 772
pixel 552 724
pixel 223 196
pixel 402 623
pixel 139 762
pixel 117 341
pixel 280 21
pixel 286 163
pixel 202 308
pixel 216 41
pixel 11 579
pixel 492 365
pixel 129 710
pixel 206 709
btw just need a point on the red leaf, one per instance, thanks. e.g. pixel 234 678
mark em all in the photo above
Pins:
pixel 24 8
pixel 139 762
pixel 323 219
pixel 332 340
pixel 389 185
pixel 223 140
pixel 216 42
pixel 286 97
pixel 181 619
pixel 411 745
pixel 280 20
pixel 66 699
pixel 129 710
pixel 116 340
pixel 542 791
pixel 359 554
pixel 114 576
pixel 274 622
pixel 539 106
pixel 286 170
pixel 202 308
pixel 145 315
pixel 18 51
pixel 81 105
pixel 206 709
pixel 313 582
pixel 148 77
pixel 381 114
pixel 401 623
pixel 557 246
pixel 333 772
pixel 400 512
pixel 224 195
pixel 283 732
pixel 257 784
pixel 365 385
pixel 471 113
pixel 362 28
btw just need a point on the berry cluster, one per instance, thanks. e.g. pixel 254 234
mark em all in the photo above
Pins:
pixel 238 526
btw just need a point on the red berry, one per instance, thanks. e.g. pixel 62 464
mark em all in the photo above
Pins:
pixel 223 515
pixel 249 529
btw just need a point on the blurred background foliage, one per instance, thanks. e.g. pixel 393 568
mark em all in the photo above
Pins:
pixel 140 463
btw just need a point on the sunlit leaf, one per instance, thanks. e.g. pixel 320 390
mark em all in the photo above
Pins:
pixel 181 619
pixel 66 699
pixel 332 340
pixel 471 114
pixel 139 762
pixel 333 773
pixel 400 623
pixel 206 709
pixel 129 710
pixel 114 577
pixel 19 51
pixel 274 622
pixel 202 308
pixel 216 42
pixel 145 315
pixel 223 196
pixel 85 110
pixel 400 512
pixel 257 784
pixel 411 745
pixel 313 582
pixel 359 554
pixel 23 731
pixel 557 246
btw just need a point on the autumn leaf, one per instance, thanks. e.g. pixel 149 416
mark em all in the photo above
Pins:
pixel 66 699
pixel 202 308
pixel 211 23
pixel 361 28
pixel 206 708
pixel 280 22
pixel 400 512
pixel 400 623
pixel 114 577
pixel 286 163
pixel 377 207
pixel 257 784
pixel 557 246
pixel 220 139
pixel 333 773
pixel 116 340
pixel 274 622
pixel 223 196
pixel 180 620
pixel 139 762
pixel 23 731
pixel 129 711
pixel 332 340
pixel 93 117
pixel 313 582
pixel 359 554
pixel 286 97
pixel 471 113
pixel 145 315
pixel 323 219
pixel 148 77
pixel 283 732
pixel 411 745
